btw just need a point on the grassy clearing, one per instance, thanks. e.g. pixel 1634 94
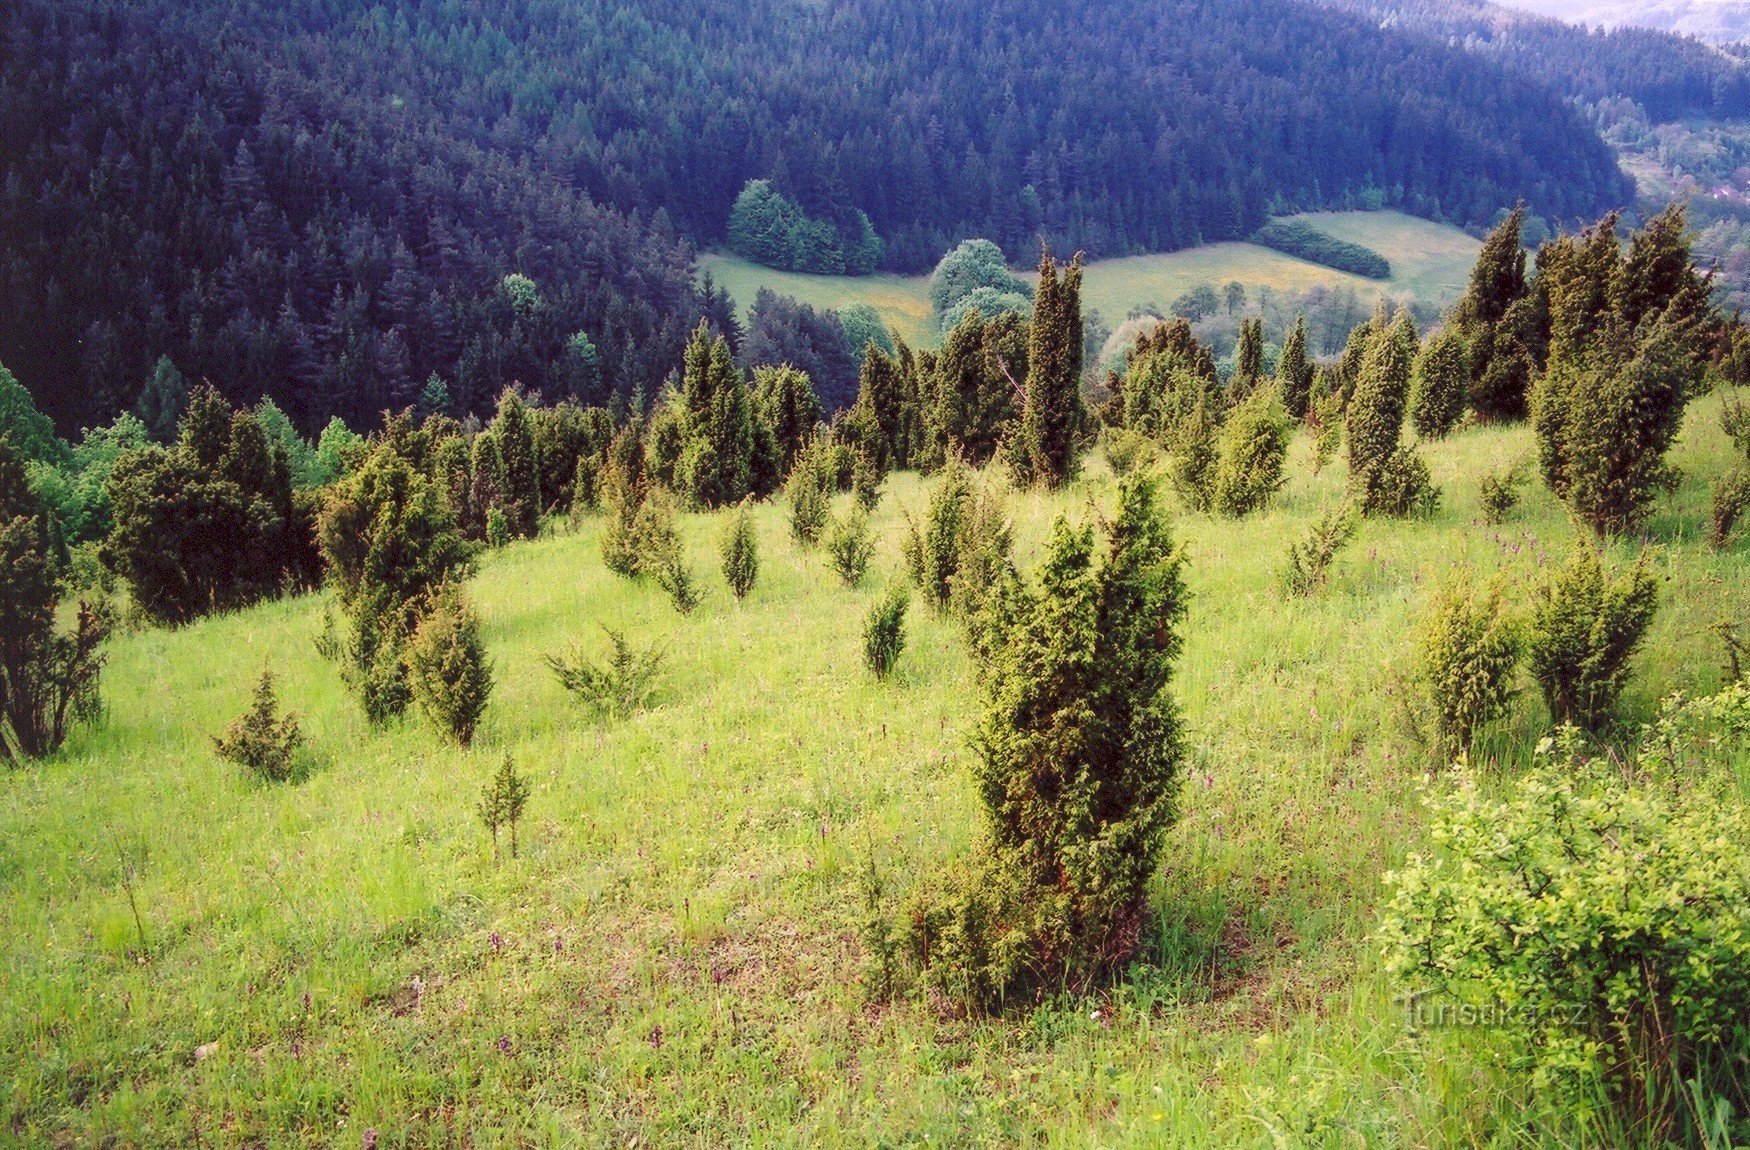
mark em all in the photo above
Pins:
pixel 1429 262
pixel 674 959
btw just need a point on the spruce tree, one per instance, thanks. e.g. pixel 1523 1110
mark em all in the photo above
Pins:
pixel 1044 448
pixel 1294 372
pixel 519 493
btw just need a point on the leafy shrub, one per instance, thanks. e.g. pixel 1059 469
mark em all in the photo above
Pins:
pixel 502 801
pixel 448 672
pixel 1079 752
pixel 741 560
pixel 1499 493
pixel 1583 631
pixel 1731 496
pixel 1466 653
pixel 1304 241
pixel 1603 920
pixel 619 687
pixel 1310 559
pixel 1250 455
pixel 884 632
pixel 848 545
pixel 260 742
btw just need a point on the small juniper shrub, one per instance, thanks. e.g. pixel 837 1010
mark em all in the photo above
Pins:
pixel 884 632
pixel 810 489
pixel 1250 455
pixel 261 741
pixel 1079 752
pixel 866 481
pixel 1614 924
pixel 497 528
pixel 1584 629
pixel 1466 652
pixel 986 558
pixel 1402 486
pixel 1327 425
pixel 621 686
pixel 848 545
pixel 1731 497
pixel 660 553
pixel 741 560
pixel 676 578
pixel 1127 449
pixel 1310 558
pixel 932 555
pixel 502 801
pixel 1499 494
pixel 447 668
pixel 1193 449
pixel 1437 385
pixel 622 496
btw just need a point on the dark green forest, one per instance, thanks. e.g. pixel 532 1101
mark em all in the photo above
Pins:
pixel 322 201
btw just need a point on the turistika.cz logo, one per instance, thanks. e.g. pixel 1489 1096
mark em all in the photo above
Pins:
pixel 1424 1011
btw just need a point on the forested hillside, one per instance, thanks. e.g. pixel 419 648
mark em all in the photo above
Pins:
pixel 1669 75
pixel 322 201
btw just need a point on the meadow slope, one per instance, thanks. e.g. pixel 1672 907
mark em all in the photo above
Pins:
pixel 674 959
pixel 1430 264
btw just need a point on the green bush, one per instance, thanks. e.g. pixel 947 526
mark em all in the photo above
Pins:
pixel 932 555
pixel 741 559
pixel 1325 416
pixel 448 672
pixel 1304 241
pixel 261 742
pixel 1078 762
pixel 848 545
pixel 621 686
pixel 810 489
pixel 1402 486
pixel 1310 558
pixel 1466 653
pixel 1584 629
pixel 1604 922
pixel 884 632
pixel 1438 381
pixel 1250 455
pixel 866 481
pixel 1127 449
pixel 497 528
pixel 1499 494
pixel 1731 496
pixel 1193 448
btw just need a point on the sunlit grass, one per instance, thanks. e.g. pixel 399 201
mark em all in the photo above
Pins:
pixel 675 956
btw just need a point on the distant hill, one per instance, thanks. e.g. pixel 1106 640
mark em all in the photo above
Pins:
pixel 319 200
pixel 1717 21
pixel 1670 76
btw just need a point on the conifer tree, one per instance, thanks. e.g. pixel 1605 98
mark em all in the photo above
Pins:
pixel 1584 629
pixel 1376 417
pixel 448 671
pixel 1497 279
pixel 1437 385
pixel 933 553
pixel 262 742
pixel 1248 359
pixel 1250 454
pixel 879 412
pixel 790 409
pixel 519 468
pixel 810 492
pixel 485 486
pixel 162 401
pixel 1043 451
pixel 1294 372
pixel 502 801
pixel 714 466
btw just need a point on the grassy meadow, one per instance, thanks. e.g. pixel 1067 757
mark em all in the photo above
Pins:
pixel 1430 262
pixel 674 958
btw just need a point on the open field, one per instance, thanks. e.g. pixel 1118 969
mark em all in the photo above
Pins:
pixel 1429 262
pixel 674 960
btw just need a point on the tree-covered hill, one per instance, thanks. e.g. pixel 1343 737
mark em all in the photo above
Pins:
pixel 321 200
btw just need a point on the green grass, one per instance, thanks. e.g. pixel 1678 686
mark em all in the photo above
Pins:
pixel 677 958
pixel 1430 262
